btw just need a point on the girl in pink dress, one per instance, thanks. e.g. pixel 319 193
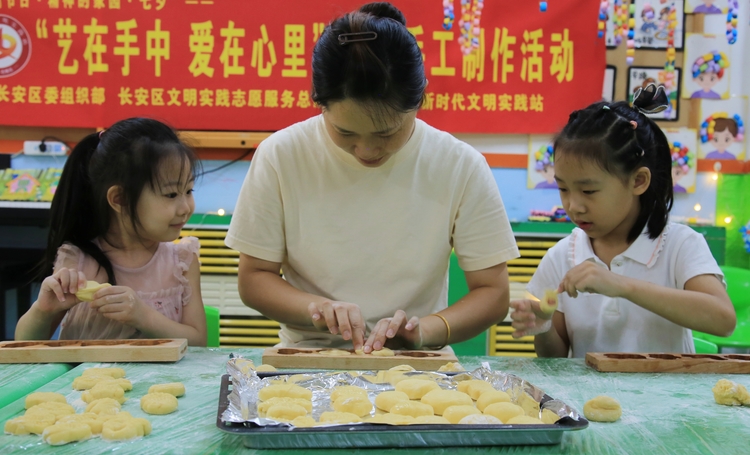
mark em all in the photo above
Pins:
pixel 124 195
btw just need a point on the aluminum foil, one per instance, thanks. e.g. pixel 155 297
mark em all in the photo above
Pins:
pixel 243 400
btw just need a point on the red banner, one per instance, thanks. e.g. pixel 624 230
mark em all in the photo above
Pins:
pixel 245 64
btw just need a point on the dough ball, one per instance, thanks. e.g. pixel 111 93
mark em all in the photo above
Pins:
pixel 529 404
pixel 285 411
pixel 51 407
pixel 440 399
pixel 602 409
pixel 358 405
pixel 384 352
pixel 451 366
pixel 36 398
pixel 416 388
pixel 491 396
pixel 479 419
pixel 104 390
pixel 304 422
pixel 87 381
pixel 412 408
pixel 87 418
pixel 284 390
pixel 29 424
pixel 475 385
pixel 524 420
pixel 104 406
pixel 87 294
pixel 159 403
pixel 504 411
pixel 122 429
pixel 386 400
pixel 65 433
pixel 265 368
pixel 123 383
pixel 119 416
pixel 549 417
pixel 173 388
pixel 265 405
pixel 392 419
pixel 455 413
pixel 113 372
pixel 347 391
pixel 339 417
pixel 334 352
pixel 430 419
pixel 730 393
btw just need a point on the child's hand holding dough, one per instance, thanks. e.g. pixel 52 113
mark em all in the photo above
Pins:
pixel 531 316
pixel 58 291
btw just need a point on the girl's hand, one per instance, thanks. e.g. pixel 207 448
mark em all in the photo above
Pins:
pixel 58 291
pixel 395 332
pixel 121 304
pixel 528 318
pixel 339 318
pixel 593 278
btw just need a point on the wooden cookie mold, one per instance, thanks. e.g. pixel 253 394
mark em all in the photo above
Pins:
pixel 669 363
pixel 78 351
pixel 316 358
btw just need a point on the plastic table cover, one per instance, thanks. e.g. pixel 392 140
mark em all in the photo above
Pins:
pixel 19 379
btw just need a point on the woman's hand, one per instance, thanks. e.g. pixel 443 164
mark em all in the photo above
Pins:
pixel 121 304
pixel 593 278
pixel 58 291
pixel 395 332
pixel 528 318
pixel 339 318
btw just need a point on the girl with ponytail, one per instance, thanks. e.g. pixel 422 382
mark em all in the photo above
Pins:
pixel 627 279
pixel 123 197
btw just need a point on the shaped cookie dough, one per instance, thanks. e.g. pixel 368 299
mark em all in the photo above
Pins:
pixel 36 398
pixel 386 400
pixel 173 388
pixel 265 405
pixel 159 403
pixel 65 433
pixel 339 417
pixel 285 411
pixel 265 368
pixel 113 372
pixel 357 405
pixel 730 393
pixel 51 408
pixel 87 294
pixel 549 303
pixel 104 406
pixel 504 411
pixel 304 422
pixel 430 419
pixel 347 391
pixel 479 419
pixel 491 396
pixel 29 424
pixel 451 367
pixel 454 414
pixel 416 388
pixel 602 409
pixel 284 390
pixel 392 419
pixel 412 408
pixel 87 418
pixel 104 390
pixel 441 399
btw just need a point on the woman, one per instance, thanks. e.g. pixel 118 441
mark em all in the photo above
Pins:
pixel 361 205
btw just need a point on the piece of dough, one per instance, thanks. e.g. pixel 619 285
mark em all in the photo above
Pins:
pixel 454 414
pixel 104 406
pixel 548 304
pixel 88 418
pixel 412 408
pixel 298 378
pixel 358 405
pixel 476 389
pixel 87 294
pixel 347 391
pixel 173 388
pixel 29 424
pixel 416 388
pixel 65 433
pixel 730 393
pixel 334 352
pixel 87 381
pixel 121 429
pixel 602 409
pixel 339 417
pixel 159 403
pixel 430 419
pixel 51 407
pixel 304 422
pixel 451 366
pixel 504 411
pixel 474 384
pixel 384 352
pixel 549 417
pixel 104 390
pixel 392 419
pixel 529 404
pixel 402 368
pixel 440 399
pixel 265 405
pixel 284 390
pixel 36 398
pixel 244 365
pixel 524 420
pixel 265 368
pixel 386 400
pixel 479 419
pixel 285 411
pixel 114 372
pixel 491 396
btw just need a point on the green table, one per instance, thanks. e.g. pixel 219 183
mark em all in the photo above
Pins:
pixel 18 380
pixel 662 413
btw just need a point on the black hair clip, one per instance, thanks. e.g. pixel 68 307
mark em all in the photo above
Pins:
pixel 650 99
pixel 347 38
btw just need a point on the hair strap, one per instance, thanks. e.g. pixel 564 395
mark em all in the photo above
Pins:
pixel 348 38
pixel 650 99
pixel 100 134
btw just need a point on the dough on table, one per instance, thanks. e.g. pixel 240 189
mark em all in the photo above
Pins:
pixel 334 352
pixel 347 391
pixel 173 388
pixel 244 365
pixel 265 405
pixel 476 389
pixel 104 406
pixel 430 419
pixel 491 396
pixel 29 424
pixel 529 404
pixel 87 382
pixel 602 409
pixel 440 399
pixel 452 366
pixel 87 294
pixel 122 429
pixel 87 418
pixel 53 408
pixel 285 411
pixel 730 393
pixel 114 372
pixel 304 422
pixel 265 368
pixel 36 398
pixel 159 403
pixel 386 400
pixel 454 414
pixel 104 390
pixel 412 408
pixel 284 390
pixel 504 411
pixel 65 433
pixel 339 417
pixel 416 388
pixel 119 416
pixel 549 417
pixel 524 420
pixel 479 419
pixel 391 419
pixel 357 405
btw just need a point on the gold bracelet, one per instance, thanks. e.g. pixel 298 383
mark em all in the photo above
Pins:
pixel 447 326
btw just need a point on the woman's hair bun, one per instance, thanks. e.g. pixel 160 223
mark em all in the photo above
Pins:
pixel 384 9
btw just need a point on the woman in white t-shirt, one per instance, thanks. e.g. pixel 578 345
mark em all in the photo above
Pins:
pixel 629 280
pixel 360 207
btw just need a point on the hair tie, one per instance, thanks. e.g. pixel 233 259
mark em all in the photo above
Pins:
pixel 347 38
pixel 650 99
pixel 605 107
pixel 100 134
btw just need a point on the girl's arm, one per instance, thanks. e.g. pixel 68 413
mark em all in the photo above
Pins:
pixel 554 342
pixel 56 297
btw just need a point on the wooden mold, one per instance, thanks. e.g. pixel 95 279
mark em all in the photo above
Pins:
pixel 669 363
pixel 79 351
pixel 315 358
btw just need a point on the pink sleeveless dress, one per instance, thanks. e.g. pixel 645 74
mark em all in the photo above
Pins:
pixel 160 283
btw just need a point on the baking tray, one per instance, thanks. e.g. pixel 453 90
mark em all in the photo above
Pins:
pixel 390 436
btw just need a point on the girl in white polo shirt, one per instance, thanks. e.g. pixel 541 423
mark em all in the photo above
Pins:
pixel 628 280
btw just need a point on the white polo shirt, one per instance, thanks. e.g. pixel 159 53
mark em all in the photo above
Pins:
pixel 597 323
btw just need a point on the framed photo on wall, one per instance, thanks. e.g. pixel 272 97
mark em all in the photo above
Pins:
pixel 651 20
pixel 610 76
pixel 641 76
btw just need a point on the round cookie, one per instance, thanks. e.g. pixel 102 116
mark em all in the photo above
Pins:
pixel 358 405
pixel 602 409
pixel 479 419
pixel 454 414
pixel 524 420
pixel 440 399
pixel 265 405
pixel 339 417
pixel 51 407
pixel 159 403
pixel 284 390
pixel 412 408
pixel 347 391
pixel 416 388
pixel 104 390
pixel 65 433
pixel 114 372
pixel 504 411
pixel 29 424
pixel 36 398
pixel 285 411
pixel 430 419
pixel 173 388
pixel 491 396
pixel 386 400
pixel 104 406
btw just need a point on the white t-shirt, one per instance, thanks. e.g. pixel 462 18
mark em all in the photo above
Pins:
pixel 377 237
pixel 597 323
